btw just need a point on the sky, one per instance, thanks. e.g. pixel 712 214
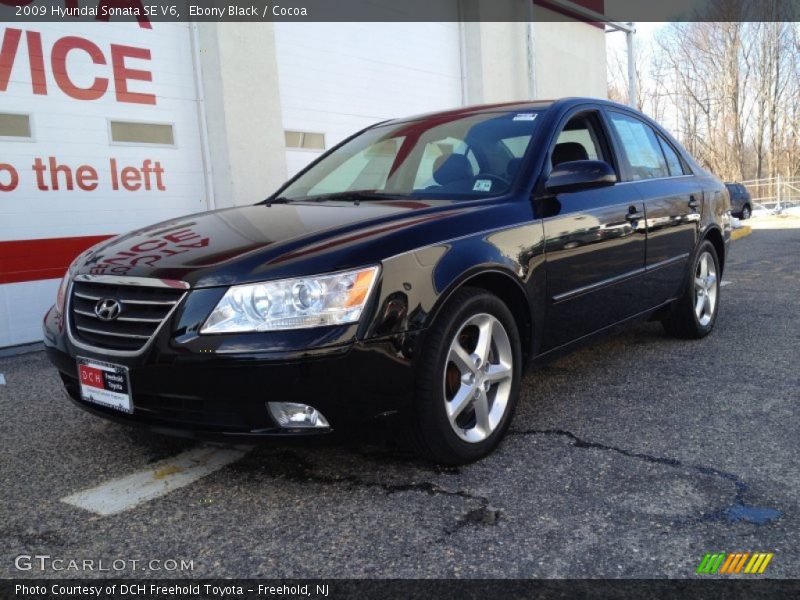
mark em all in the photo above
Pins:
pixel 644 32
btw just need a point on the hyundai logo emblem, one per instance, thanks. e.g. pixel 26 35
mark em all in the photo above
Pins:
pixel 107 309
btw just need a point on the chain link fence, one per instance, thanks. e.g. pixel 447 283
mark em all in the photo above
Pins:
pixel 774 194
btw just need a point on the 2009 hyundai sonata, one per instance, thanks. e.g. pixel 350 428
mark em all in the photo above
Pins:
pixel 413 270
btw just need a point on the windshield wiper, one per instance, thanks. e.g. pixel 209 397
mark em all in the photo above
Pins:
pixel 356 196
pixel 278 200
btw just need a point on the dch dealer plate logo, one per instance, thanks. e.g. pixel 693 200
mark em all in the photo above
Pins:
pixel 722 563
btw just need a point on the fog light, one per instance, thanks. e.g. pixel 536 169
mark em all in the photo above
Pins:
pixel 291 415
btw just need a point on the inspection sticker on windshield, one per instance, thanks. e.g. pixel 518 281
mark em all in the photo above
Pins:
pixel 525 117
pixel 482 185
pixel 105 384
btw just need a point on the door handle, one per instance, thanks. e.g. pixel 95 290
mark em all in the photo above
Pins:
pixel 693 203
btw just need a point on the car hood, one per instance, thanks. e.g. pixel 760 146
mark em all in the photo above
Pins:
pixel 260 242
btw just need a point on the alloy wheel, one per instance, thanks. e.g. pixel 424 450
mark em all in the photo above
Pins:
pixel 478 376
pixel 705 288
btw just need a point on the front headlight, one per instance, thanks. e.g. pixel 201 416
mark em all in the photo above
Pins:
pixel 293 303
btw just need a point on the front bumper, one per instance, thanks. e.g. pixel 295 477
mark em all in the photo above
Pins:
pixel 223 395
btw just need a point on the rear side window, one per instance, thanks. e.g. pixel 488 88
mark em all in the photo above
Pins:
pixel 641 147
pixel 674 161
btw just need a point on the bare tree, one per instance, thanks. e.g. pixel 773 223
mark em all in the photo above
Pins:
pixel 728 89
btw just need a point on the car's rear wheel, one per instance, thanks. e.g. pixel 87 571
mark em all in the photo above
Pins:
pixel 746 213
pixel 695 313
pixel 468 382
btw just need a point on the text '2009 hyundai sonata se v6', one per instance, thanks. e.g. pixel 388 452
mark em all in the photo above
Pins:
pixel 414 270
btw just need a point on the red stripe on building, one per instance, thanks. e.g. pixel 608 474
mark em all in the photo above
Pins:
pixel 32 260
pixel 597 6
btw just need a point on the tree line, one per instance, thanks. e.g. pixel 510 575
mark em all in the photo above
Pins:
pixel 728 91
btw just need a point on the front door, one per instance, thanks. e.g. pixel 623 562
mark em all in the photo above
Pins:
pixel 594 243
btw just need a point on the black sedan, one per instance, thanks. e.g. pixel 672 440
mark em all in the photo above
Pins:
pixel 741 202
pixel 412 272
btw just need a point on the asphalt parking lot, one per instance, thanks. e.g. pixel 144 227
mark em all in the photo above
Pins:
pixel 630 458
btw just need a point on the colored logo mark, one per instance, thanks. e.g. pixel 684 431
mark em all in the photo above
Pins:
pixel 722 563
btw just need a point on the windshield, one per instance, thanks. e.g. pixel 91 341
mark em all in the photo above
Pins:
pixel 448 155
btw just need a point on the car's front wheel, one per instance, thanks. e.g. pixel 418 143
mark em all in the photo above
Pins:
pixel 694 314
pixel 468 381
pixel 746 213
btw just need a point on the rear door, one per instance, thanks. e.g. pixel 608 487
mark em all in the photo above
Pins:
pixel 673 200
pixel 594 241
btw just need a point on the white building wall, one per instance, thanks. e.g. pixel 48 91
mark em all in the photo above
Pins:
pixel 337 78
pixel 496 62
pixel 570 60
pixel 243 110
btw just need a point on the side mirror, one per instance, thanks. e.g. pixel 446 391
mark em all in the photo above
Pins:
pixel 579 175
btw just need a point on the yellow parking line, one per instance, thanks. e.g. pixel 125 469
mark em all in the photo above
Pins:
pixel 737 234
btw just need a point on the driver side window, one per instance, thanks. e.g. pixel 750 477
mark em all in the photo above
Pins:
pixel 577 141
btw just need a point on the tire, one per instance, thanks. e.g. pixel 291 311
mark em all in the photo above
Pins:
pixel 689 319
pixel 746 212
pixel 449 379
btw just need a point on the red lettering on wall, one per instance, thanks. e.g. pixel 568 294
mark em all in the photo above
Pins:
pixel 86 178
pixel 36 58
pixel 8 52
pixel 61 49
pixel 132 178
pixel 122 74
pixel 13 178
pixel 40 169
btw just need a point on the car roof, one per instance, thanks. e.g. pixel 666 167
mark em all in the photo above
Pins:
pixel 520 105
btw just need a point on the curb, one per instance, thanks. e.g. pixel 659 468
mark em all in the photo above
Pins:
pixel 738 234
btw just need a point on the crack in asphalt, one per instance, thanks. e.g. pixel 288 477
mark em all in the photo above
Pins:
pixel 738 511
pixel 304 471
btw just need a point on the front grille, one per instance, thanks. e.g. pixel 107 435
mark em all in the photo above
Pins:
pixel 143 310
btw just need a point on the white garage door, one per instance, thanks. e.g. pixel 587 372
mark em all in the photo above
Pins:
pixel 99 134
pixel 336 78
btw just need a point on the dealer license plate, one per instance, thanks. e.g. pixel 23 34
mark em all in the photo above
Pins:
pixel 105 384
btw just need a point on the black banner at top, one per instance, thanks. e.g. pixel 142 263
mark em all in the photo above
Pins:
pixel 590 11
